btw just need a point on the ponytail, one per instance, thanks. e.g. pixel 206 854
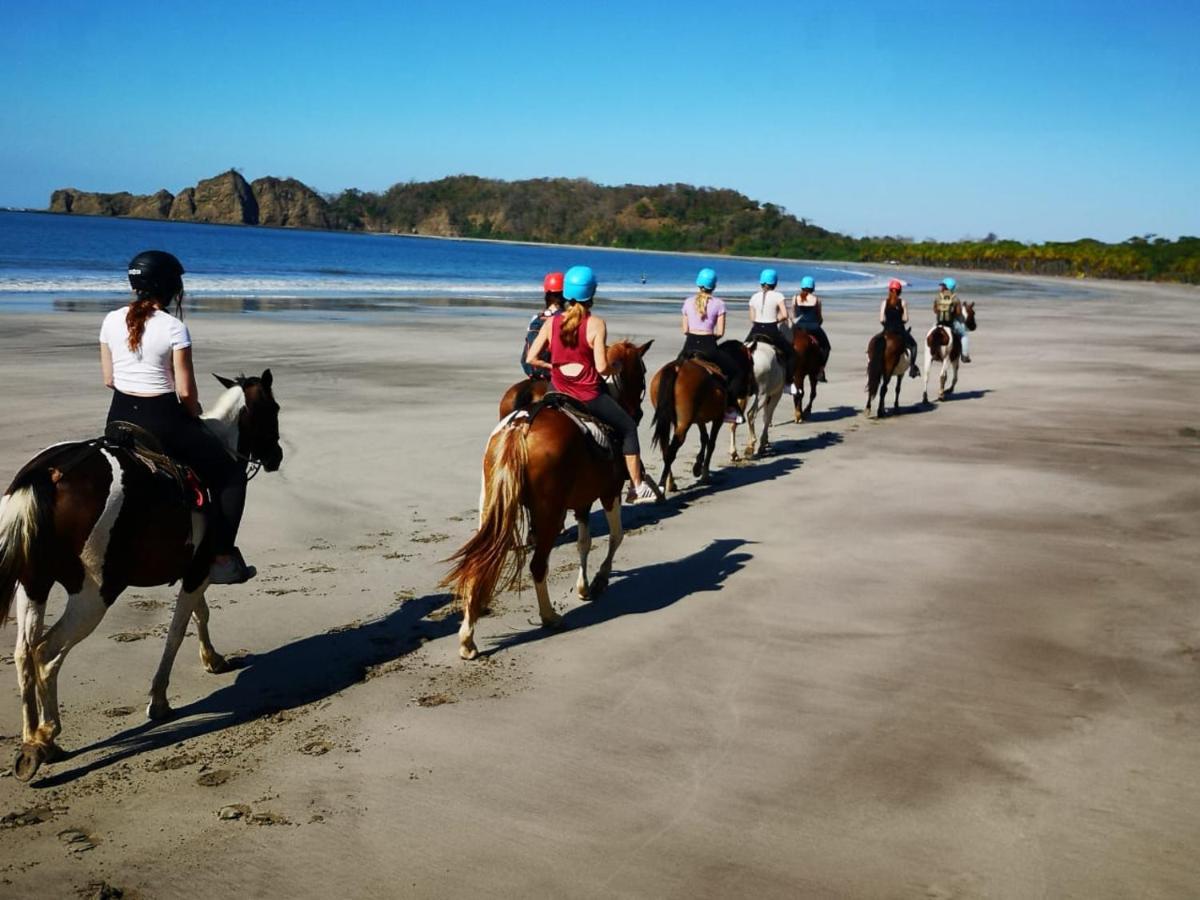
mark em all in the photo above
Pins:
pixel 140 310
pixel 702 296
pixel 569 330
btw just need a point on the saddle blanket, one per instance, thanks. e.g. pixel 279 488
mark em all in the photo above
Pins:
pixel 596 431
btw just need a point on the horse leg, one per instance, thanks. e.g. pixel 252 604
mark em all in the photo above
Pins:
pixel 214 663
pixel 896 402
pixel 706 470
pixel 928 365
pixel 185 605
pixel 698 465
pixel 883 386
pixel 812 395
pixel 82 614
pixel 30 614
pixel 546 532
pixel 616 534
pixel 583 542
pixel 954 381
pixel 733 454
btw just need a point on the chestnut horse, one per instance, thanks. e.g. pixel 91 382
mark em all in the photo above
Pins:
pixel 683 392
pixel 809 360
pixel 95 519
pixel 523 395
pixel 943 345
pixel 537 471
pixel 888 357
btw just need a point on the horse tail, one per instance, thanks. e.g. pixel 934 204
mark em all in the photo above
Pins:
pixel 876 360
pixel 664 407
pixel 22 512
pixel 495 553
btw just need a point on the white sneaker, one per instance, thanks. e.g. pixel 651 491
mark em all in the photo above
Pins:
pixel 643 493
pixel 791 388
pixel 733 417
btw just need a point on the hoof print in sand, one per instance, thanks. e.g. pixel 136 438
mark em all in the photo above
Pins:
pixel 179 761
pixel 316 748
pixel 233 811
pixel 214 778
pixel 100 890
pixel 77 841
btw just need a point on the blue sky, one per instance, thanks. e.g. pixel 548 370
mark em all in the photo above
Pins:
pixel 1039 121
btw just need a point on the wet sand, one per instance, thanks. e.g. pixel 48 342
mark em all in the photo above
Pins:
pixel 951 653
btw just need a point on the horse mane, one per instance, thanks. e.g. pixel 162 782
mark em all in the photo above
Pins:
pixel 228 405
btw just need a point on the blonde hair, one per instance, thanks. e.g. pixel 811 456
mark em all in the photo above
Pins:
pixel 571 319
pixel 703 295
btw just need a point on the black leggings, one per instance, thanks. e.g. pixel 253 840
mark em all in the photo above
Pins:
pixel 188 440
pixel 705 345
pixel 609 411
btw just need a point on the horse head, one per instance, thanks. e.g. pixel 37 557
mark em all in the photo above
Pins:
pixel 969 312
pixel 625 358
pixel 258 419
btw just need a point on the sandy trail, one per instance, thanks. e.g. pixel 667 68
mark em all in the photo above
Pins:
pixel 951 653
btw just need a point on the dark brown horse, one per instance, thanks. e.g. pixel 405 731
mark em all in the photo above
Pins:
pixel 523 395
pixel 683 393
pixel 888 357
pixel 95 519
pixel 943 345
pixel 533 473
pixel 809 360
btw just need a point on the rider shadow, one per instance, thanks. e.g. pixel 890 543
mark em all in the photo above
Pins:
pixel 302 672
pixel 830 415
pixel 967 395
pixel 644 590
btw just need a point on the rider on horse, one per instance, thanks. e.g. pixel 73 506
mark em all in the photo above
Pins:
pixel 949 311
pixel 552 286
pixel 807 316
pixel 578 361
pixel 146 359
pixel 893 316
pixel 768 310
pixel 703 323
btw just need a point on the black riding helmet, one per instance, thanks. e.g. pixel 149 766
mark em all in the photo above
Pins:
pixel 156 274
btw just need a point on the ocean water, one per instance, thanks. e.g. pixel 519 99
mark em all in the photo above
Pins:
pixel 56 261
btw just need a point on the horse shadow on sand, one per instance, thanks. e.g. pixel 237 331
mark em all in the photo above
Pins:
pixel 779 462
pixel 643 590
pixel 818 416
pixel 967 395
pixel 305 671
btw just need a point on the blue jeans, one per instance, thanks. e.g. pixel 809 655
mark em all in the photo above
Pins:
pixel 960 328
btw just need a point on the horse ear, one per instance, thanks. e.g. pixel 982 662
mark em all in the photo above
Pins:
pixel 227 382
pixel 646 346
pixel 266 378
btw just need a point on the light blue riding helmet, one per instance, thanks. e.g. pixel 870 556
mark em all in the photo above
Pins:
pixel 950 284
pixel 807 283
pixel 579 284
pixel 769 277
pixel 706 278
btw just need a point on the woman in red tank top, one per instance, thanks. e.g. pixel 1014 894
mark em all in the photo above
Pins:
pixel 578 359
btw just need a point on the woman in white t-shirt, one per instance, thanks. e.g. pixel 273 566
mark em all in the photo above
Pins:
pixel 146 359
pixel 768 310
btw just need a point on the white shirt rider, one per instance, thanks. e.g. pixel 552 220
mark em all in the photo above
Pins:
pixel 768 307
pixel 149 370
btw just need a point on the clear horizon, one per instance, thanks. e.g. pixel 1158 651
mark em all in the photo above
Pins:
pixel 942 121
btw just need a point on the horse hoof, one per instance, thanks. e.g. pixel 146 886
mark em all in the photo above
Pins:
pixel 216 665
pixel 28 760
pixel 468 651
pixel 555 621
pixel 697 469
pixel 582 591
pixel 159 712
pixel 599 585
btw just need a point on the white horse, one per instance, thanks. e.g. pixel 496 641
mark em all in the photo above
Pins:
pixel 768 388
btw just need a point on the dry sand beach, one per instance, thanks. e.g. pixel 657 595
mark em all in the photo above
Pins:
pixel 954 653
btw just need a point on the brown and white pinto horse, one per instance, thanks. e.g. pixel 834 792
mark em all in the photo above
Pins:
pixel 888 357
pixel 96 520
pixel 809 360
pixel 944 346
pixel 684 392
pixel 537 471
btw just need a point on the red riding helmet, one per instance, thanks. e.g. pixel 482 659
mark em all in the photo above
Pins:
pixel 896 285
pixel 553 283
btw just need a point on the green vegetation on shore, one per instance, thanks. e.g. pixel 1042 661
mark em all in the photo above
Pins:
pixel 677 217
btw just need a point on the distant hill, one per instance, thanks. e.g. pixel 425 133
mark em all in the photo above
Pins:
pixel 659 217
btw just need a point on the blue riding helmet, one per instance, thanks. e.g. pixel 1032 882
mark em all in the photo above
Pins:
pixel 949 284
pixel 807 283
pixel 769 277
pixel 579 284
pixel 706 278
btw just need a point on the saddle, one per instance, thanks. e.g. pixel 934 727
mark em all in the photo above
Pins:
pixel 703 362
pixel 143 447
pixel 601 437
